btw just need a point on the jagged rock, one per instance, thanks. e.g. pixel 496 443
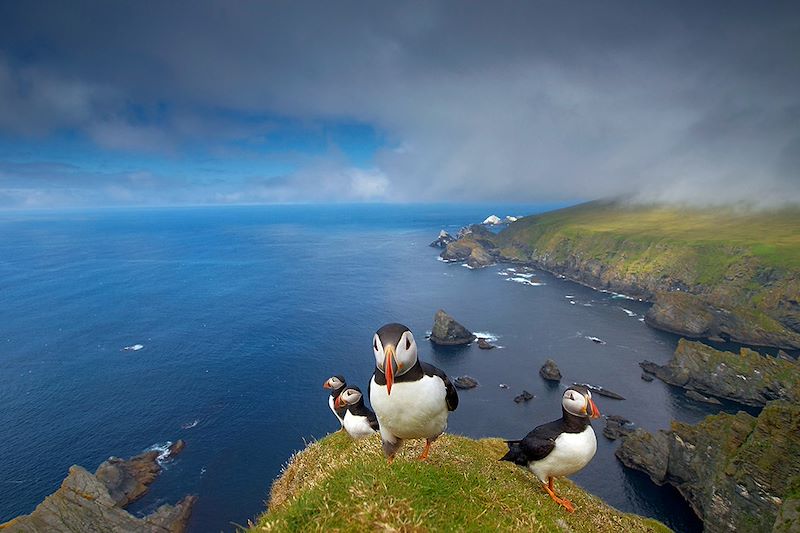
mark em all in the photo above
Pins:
pixel 747 377
pixel 524 397
pixel 550 371
pixel 465 382
pixel 474 245
pixel 442 240
pixel 696 396
pixel 788 520
pixel 647 376
pixel 734 470
pixel 447 331
pixel 617 427
pixel 483 344
pixel 95 503
pixel 785 356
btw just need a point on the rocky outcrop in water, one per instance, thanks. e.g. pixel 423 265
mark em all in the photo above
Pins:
pixel 618 427
pixel 95 503
pixel 483 344
pixel 736 471
pixel 474 246
pixel 447 331
pixel 465 382
pixel 747 377
pixel 550 371
pixel 442 240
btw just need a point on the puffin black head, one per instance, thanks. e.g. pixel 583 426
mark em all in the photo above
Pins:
pixel 349 396
pixel 577 400
pixel 395 351
pixel 334 382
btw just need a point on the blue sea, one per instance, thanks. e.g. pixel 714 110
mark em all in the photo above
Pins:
pixel 243 312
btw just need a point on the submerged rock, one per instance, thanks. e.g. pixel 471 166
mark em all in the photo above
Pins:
pixel 602 391
pixel 483 344
pixel 524 397
pixel 617 427
pixel 747 377
pixel 736 471
pixel 465 382
pixel 447 331
pixel 95 503
pixel 647 376
pixel 442 240
pixel 550 371
pixel 696 396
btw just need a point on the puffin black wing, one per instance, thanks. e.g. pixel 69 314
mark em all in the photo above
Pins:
pixel 535 446
pixel 373 421
pixel 451 396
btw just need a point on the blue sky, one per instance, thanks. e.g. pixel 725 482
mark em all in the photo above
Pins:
pixel 207 102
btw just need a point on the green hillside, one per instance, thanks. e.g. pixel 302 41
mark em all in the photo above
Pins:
pixel 338 484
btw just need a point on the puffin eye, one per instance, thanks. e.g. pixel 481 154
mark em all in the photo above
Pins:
pixel 408 343
pixel 375 345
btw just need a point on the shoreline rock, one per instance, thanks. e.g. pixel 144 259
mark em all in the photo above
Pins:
pixel 602 391
pixel 736 471
pixel 442 240
pixel 747 377
pixel 448 332
pixel 525 396
pixel 95 502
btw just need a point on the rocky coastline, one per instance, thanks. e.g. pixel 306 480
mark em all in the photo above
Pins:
pixel 738 472
pixel 96 502
pixel 726 306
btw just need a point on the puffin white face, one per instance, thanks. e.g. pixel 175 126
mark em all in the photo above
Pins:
pixel 333 382
pixel 579 403
pixel 349 397
pixel 395 351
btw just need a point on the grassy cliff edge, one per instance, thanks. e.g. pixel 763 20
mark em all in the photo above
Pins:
pixel 341 484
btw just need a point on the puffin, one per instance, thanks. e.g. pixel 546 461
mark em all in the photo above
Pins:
pixel 412 399
pixel 337 385
pixel 359 420
pixel 561 447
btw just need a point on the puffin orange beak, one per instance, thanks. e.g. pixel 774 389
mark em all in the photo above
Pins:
pixel 337 403
pixel 388 368
pixel 326 385
pixel 595 411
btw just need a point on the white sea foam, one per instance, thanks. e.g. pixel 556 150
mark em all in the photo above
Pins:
pixel 587 304
pixel 569 296
pixel 628 312
pixel 133 348
pixel 491 337
pixel 163 451
pixel 190 425
pixel 597 340
pixel 524 281
pixel 572 302
pixel 467 266
pixel 641 319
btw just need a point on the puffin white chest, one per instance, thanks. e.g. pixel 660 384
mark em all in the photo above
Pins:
pixel 572 451
pixel 333 410
pixel 357 426
pixel 414 410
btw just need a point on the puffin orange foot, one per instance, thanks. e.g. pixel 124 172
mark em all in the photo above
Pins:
pixel 563 502
pixel 390 459
pixel 426 450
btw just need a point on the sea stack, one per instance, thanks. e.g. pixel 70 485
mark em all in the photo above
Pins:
pixel 447 331
pixel 550 371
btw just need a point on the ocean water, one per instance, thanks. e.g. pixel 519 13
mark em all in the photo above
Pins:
pixel 243 312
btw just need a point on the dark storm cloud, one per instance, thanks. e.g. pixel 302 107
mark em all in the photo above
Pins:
pixel 683 102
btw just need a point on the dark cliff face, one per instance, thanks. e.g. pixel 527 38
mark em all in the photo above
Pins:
pixel 736 471
pixel 747 377
pixel 447 331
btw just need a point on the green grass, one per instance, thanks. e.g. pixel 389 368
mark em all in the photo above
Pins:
pixel 771 236
pixel 338 484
